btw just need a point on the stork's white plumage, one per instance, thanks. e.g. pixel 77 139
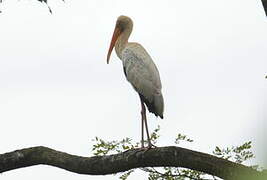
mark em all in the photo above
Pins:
pixel 139 70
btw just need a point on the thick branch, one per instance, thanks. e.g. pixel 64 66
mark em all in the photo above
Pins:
pixel 101 165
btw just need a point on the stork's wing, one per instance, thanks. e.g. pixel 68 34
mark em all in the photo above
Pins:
pixel 143 74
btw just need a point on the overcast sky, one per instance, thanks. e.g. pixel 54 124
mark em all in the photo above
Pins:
pixel 56 89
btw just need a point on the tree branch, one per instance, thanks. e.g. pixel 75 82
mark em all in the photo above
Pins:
pixel 100 165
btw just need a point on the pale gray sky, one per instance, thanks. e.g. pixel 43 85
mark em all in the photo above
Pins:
pixel 56 89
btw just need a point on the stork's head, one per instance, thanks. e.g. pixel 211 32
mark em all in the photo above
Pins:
pixel 123 24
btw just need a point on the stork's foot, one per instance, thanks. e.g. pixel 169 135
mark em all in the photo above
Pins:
pixel 142 149
pixel 150 146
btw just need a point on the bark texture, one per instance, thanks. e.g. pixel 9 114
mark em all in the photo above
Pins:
pixel 101 165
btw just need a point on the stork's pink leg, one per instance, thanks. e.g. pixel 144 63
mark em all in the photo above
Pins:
pixel 142 123
pixel 147 133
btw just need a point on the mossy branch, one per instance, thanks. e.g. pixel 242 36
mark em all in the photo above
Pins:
pixel 170 156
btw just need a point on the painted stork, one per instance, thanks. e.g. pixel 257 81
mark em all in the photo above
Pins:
pixel 139 70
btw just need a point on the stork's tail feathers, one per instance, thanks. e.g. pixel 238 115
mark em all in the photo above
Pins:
pixel 156 106
pixel 159 105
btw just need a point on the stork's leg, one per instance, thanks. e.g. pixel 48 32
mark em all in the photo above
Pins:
pixel 147 133
pixel 142 122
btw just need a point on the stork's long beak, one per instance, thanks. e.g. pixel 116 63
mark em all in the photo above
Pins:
pixel 115 36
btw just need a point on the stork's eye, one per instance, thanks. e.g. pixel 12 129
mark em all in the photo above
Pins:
pixel 121 25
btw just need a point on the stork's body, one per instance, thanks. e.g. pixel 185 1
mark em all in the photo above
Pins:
pixel 139 70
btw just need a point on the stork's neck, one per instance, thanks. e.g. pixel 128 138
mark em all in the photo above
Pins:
pixel 122 41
